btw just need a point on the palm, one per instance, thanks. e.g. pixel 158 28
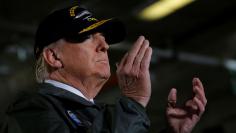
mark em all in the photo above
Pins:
pixel 183 119
pixel 133 72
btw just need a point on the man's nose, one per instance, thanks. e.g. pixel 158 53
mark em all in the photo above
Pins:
pixel 102 44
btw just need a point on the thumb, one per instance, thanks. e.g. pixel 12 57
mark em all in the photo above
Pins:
pixel 172 98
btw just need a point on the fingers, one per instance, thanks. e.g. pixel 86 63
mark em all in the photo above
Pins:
pixel 199 93
pixel 134 51
pixel 140 57
pixel 146 59
pixel 198 89
pixel 141 52
pixel 200 105
pixel 197 82
pixel 172 98
pixel 199 99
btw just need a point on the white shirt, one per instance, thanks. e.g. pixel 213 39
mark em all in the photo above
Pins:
pixel 68 88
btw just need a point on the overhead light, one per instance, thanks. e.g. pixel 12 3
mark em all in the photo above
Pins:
pixel 162 8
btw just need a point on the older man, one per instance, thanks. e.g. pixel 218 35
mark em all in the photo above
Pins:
pixel 72 66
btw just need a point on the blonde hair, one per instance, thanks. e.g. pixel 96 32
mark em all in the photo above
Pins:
pixel 42 69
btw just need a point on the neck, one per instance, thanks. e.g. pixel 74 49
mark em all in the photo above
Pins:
pixel 89 86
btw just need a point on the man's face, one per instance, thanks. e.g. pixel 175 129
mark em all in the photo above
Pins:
pixel 86 59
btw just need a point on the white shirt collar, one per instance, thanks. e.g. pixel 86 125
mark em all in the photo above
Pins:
pixel 68 88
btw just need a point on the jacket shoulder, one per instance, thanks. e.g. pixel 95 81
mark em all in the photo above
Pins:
pixel 34 113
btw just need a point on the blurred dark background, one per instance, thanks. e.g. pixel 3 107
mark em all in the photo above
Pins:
pixel 198 40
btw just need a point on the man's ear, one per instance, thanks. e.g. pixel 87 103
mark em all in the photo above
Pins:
pixel 51 58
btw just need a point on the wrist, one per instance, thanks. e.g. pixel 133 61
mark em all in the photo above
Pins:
pixel 143 101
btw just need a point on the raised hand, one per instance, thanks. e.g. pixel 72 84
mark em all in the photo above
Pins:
pixel 183 119
pixel 133 72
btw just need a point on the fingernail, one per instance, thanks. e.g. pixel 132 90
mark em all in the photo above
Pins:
pixel 194 81
pixel 196 78
pixel 141 36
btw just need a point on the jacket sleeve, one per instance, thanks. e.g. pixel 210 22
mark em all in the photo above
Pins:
pixel 126 116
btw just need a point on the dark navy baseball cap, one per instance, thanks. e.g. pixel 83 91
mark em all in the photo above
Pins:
pixel 74 24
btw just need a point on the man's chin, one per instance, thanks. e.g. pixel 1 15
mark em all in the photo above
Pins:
pixel 106 77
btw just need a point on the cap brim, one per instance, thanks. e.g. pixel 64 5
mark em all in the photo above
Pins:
pixel 113 29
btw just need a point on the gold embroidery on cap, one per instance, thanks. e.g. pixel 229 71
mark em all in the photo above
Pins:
pixel 72 11
pixel 94 26
pixel 92 19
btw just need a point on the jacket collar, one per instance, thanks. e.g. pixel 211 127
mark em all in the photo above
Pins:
pixel 48 89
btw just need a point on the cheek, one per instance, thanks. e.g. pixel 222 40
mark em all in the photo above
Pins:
pixel 85 61
pixel 75 59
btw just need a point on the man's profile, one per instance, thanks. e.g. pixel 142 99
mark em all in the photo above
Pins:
pixel 72 66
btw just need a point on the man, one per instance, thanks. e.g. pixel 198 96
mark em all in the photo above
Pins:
pixel 72 66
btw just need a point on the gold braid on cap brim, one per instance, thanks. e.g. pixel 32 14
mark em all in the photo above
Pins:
pixel 95 25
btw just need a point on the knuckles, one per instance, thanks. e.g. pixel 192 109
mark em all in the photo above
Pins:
pixel 126 72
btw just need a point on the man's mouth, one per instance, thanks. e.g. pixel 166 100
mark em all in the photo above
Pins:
pixel 103 61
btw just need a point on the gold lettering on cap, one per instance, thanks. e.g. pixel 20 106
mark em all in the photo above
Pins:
pixel 72 11
pixel 92 19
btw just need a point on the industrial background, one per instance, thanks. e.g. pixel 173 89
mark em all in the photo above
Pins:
pixel 197 40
